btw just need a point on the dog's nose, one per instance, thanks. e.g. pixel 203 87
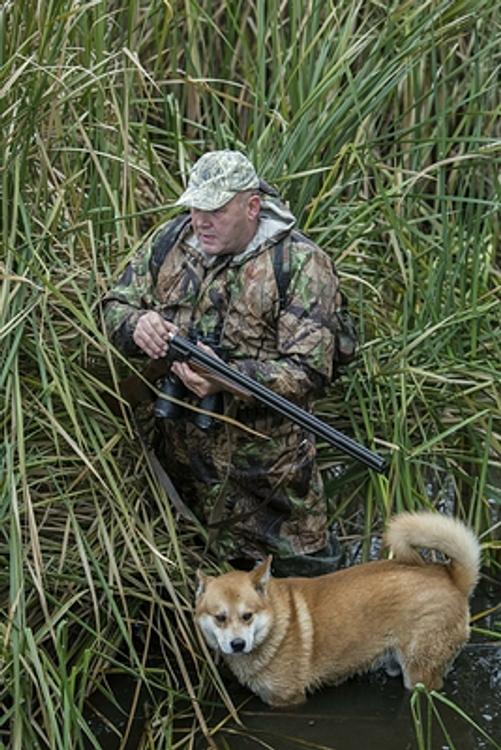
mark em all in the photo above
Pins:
pixel 237 645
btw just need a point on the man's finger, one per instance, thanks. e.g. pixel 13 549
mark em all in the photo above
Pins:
pixel 152 334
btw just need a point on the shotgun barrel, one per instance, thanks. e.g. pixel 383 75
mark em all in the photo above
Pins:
pixel 183 349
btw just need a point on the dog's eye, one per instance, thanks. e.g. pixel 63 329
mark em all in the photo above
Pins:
pixel 220 618
pixel 247 616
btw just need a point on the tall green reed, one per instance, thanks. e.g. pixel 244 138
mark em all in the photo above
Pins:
pixel 429 720
pixel 378 124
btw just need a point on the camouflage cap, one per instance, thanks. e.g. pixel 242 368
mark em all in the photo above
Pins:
pixel 216 178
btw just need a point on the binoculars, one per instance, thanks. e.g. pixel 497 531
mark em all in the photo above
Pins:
pixel 172 387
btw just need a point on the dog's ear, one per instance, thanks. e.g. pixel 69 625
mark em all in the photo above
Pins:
pixel 261 575
pixel 202 580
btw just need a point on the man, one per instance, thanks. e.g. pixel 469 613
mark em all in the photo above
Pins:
pixel 214 271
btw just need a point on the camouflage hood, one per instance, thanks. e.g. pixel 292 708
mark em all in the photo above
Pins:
pixel 275 220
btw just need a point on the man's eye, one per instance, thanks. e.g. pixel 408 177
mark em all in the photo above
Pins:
pixel 247 616
pixel 220 618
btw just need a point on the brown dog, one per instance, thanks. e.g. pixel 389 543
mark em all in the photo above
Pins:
pixel 282 637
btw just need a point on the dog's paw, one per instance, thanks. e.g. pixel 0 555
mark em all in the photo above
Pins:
pixel 288 701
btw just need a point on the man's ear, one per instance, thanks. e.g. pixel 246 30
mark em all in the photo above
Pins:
pixel 254 206
pixel 261 575
pixel 202 581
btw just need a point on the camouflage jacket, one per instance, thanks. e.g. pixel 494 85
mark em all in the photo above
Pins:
pixel 287 346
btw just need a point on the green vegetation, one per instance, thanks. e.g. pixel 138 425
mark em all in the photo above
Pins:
pixel 377 121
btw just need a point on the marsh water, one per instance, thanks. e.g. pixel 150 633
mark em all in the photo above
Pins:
pixel 370 712
pixel 373 712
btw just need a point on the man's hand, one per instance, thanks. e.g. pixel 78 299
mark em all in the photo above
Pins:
pixel 151 334
pixel 201 385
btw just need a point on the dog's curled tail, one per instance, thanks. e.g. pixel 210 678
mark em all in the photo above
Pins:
pixel 407 532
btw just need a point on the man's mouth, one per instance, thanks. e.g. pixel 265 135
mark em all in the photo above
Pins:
pixel 208 241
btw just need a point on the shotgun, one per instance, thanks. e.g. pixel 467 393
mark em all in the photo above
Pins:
pixel 181 348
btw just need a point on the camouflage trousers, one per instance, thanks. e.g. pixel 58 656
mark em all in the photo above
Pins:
pixel 255 495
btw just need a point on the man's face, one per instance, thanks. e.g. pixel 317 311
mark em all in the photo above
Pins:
pixel 230 228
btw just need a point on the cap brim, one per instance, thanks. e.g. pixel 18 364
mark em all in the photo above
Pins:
pixel 204 201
